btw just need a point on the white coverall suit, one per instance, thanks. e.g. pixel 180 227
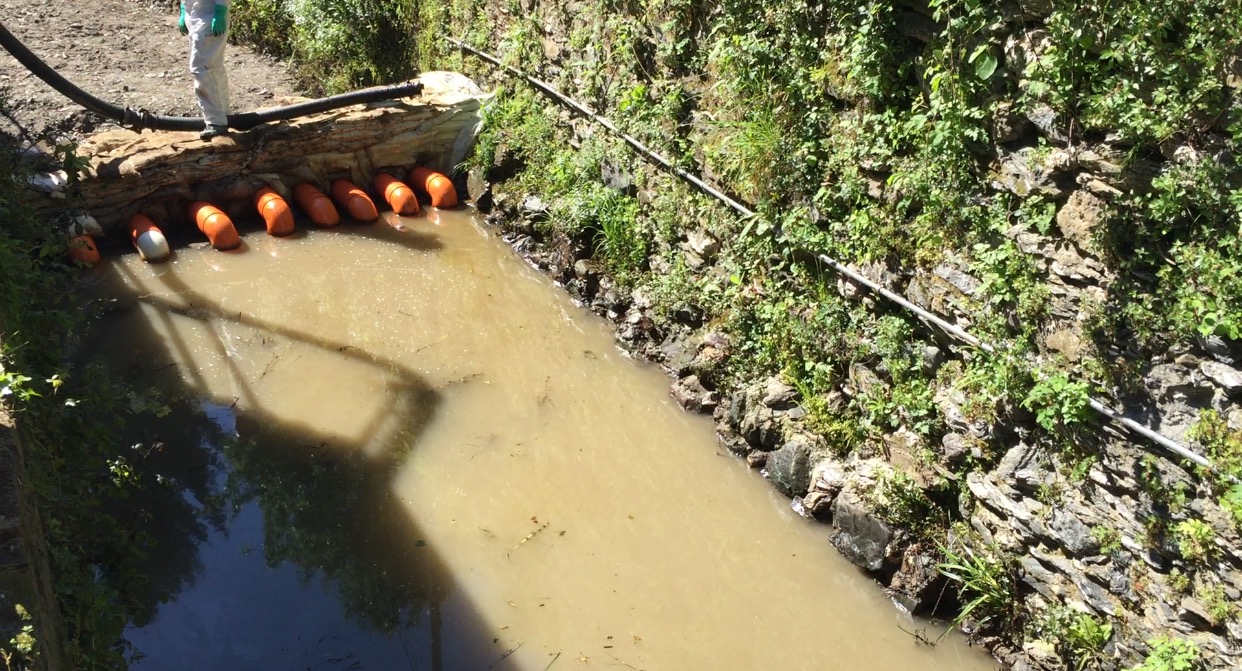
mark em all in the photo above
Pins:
pixel 211 81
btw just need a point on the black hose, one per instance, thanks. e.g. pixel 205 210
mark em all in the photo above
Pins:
pixel 140 120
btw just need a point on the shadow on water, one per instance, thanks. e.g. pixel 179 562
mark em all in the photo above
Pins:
pixel 344 579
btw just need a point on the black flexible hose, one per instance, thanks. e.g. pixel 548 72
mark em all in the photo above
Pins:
pixel 140 120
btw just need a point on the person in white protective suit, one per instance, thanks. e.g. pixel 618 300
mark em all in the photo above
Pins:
pixel 207 24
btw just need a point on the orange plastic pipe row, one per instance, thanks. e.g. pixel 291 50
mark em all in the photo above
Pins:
pixel 278 216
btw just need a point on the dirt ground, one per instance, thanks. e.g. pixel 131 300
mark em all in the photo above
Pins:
pixel 124 51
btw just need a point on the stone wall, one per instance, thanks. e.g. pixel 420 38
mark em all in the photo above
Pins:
pixel 1088 527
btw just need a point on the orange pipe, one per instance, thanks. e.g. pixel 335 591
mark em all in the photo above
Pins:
pixel 82 248
pixel 275 211
pixel 398 194
pixel 355 201
pixel 216 225
pixel 148 239
pixel 437 186
pixel 316 205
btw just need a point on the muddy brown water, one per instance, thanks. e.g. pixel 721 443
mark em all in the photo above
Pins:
pixel 399 449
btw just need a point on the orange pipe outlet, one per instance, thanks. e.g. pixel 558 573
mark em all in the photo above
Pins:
pixel 316 205
pixel 398 194
pixel 355 201
pixel 216 225
pixel 437 186
pixel 275 211
pixel 82 248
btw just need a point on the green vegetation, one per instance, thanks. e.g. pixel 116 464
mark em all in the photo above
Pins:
pixel 67 418
pixel 1195 540
pixel 1170 654
pixel 986 582
pixel 885 145
pixel 1057 402
pixel 334 45
pixel 1108 538
pixel 1079 637
pixel 1219 606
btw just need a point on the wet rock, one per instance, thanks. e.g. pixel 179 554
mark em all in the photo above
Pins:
pixel 862 536
pixel 533 208
pixel 1008 125
pixel 690 394
pixel 616 178
pixel 818 505
pixel 933 359
pixel 1042 656
pixel 778 395
pixel 1065 341
pixel 864 382
pixel 1031 172
pixel 1045 118
pixel 480 191
pixel 758 427
pixel 789 468
pixel 1081 217
pixel 677 353
pixel 917 584
pixel 1226 377
pixel 1220 349
pixel 1066 530
pixel 703 243
pixel 689 314
pixel 964 283
pixel 585 269
pixel 956 448
pixel 1193 612
pixel 951 402
pixel 756 459
pixel 1071 265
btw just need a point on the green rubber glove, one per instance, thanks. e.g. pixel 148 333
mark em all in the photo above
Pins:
pixel 181 21
pixel 220 21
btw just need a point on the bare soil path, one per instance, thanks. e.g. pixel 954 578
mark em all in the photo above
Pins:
pixel 124 51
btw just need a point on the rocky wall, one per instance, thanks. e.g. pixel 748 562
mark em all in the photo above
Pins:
pixel 1090 531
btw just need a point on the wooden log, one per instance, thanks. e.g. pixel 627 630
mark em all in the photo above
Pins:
pixel 159 173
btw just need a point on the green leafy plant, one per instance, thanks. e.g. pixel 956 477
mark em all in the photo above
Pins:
pixel 1219 606
pixel 1231 501
pixel 1178 581
pixel 985 582
pixel 1195 540
pixel 1108 538
pixel 1058 402
pixel 1170 654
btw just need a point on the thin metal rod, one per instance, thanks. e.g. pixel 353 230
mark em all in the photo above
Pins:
pixel 550 90
pixel 953 330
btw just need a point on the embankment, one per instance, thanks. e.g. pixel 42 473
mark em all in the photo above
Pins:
pixel 1058 179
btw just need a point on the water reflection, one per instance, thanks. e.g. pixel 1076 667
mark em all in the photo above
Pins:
pixel 372 406
pixel 269 515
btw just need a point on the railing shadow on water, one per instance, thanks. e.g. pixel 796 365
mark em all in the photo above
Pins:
pixel 326 500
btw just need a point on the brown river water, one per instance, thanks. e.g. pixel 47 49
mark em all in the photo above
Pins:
pixel 405 449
